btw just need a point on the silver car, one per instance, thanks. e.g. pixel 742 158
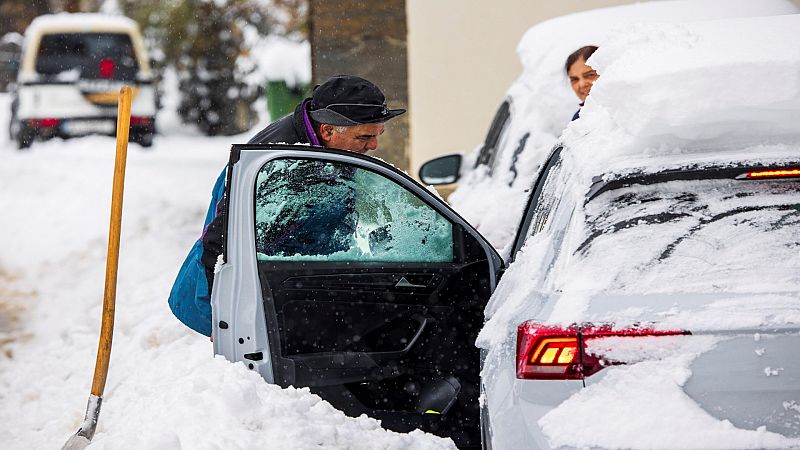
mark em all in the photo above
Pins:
pixel 660 302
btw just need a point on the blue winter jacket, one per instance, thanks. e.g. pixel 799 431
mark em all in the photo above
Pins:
pixel 190 297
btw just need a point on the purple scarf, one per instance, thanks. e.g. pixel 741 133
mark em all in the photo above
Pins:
pixel 312 136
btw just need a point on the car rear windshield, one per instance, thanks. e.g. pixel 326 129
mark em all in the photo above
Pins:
pixel 91 55
pixel 720 235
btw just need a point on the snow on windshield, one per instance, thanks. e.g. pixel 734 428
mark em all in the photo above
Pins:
pixel 315 211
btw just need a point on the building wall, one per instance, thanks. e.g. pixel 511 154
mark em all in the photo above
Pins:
pixel 367 39
pixel 462 59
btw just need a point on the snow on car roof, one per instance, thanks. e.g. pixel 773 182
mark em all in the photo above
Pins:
pixel 80 21
pixel 543 50
pixel 715 91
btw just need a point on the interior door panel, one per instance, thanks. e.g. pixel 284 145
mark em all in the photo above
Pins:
pixel 369 343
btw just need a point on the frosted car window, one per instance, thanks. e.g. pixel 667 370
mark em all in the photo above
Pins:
pixel 547 201
pixel 325 211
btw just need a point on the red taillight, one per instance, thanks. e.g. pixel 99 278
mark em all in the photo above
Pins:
pixel 141 120
pixel 107 68
pixel 44 123
pixel 548 353
pixel 772 173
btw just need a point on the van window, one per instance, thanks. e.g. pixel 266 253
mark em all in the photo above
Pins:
pixel 93 55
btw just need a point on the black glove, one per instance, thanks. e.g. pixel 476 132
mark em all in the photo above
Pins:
pixel 213 239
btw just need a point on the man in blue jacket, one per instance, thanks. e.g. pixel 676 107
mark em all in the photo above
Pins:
pixel 345 113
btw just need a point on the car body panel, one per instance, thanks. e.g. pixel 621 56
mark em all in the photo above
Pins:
pixel 66 101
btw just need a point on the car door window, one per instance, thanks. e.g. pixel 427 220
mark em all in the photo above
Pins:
pixel 541 202
pixel 494 136
pixel 322 210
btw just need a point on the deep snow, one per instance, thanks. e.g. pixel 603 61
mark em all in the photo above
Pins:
pixel 165 389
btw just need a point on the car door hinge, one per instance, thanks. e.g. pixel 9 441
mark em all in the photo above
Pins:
pixel 258 356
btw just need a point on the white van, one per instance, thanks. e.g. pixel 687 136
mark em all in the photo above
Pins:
pixel 72 68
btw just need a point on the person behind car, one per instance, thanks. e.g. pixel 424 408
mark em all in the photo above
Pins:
pixel 581 76
pixel 345 113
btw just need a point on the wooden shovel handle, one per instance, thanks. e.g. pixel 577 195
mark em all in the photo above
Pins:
pixel 112 260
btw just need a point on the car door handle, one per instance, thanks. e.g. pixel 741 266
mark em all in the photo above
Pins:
pixel 403 283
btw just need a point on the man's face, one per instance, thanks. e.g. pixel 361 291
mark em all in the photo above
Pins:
pixel 358 139
pixel 581 77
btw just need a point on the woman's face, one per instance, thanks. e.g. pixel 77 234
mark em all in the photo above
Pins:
pixel 581 78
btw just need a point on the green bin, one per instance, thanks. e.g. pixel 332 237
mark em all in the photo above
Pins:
pixel 282 99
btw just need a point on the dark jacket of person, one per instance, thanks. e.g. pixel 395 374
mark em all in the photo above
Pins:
pixel 577 114
pixel 190 297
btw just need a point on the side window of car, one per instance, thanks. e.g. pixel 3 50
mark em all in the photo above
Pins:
pixel 496 132
pixel 547 202
pixel 542 202
pixel 319 210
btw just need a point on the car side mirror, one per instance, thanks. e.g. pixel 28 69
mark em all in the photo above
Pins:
pixel 441 170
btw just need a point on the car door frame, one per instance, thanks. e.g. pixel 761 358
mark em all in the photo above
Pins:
pixel 239 328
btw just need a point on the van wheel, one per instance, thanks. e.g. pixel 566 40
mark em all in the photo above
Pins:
pixel 25 137
pixel 145 140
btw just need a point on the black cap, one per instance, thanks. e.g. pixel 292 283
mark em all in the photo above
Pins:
pixel 347 100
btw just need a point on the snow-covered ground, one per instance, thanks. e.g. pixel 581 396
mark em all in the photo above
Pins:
pixel 165 389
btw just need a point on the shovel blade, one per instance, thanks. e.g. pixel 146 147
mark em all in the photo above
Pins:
pixel 76 442
pixel 83 437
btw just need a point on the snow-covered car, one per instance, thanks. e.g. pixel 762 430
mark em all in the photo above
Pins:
pixel 655 297
pixel 540 103
pixel 652 299
pixel 73 66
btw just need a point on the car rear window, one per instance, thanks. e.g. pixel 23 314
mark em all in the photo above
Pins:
pixel 92 55
pixel 720 235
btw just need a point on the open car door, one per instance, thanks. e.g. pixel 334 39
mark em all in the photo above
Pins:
pixel 344 275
